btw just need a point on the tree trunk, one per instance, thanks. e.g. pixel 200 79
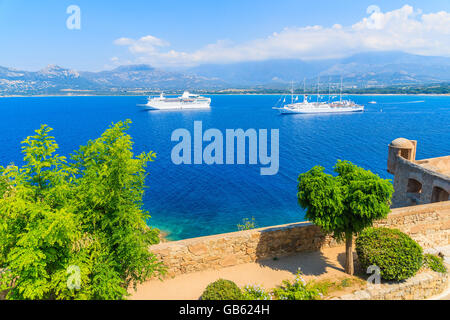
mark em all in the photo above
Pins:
pixel 349 253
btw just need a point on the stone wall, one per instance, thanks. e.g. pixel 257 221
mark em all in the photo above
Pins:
pixel 428 224
pixel 417 181
pixel 417 171
pixel 422 286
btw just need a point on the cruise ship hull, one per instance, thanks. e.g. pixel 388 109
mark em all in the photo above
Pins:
pixel 320 110
pixel 186 102
pixel 176 106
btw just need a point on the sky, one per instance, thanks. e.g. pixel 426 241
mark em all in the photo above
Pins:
pixel 174 34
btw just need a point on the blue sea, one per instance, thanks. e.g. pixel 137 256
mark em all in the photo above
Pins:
pixel 196 200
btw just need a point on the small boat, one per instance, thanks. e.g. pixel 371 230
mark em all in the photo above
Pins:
pixel 186 101
pixel 372 102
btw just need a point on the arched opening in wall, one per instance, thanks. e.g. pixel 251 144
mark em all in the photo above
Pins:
pixel 439 195
pixel 406 153
pixel 414 186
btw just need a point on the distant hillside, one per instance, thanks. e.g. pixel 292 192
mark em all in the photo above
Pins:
pixel 56 80
pixel 147 77
pixel 262 72
pixel 364 70
pixel 51 79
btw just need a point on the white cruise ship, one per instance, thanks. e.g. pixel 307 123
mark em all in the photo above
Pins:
pixel 340 106
pixel 321 107
pixel 186 101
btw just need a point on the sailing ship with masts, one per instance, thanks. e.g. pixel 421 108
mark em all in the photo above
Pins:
pixel 307 107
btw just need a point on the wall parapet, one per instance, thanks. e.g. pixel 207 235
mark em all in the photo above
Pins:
pixel 422 286
pixel 428 224
pixel 429 177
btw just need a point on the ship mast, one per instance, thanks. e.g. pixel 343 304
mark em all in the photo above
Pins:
pixel 329 89
pixel 318 92
pixel 304 90
pixel 340 98
pixel 292 92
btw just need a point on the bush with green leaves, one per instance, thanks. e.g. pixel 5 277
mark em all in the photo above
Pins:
pixel 222 290
pixel 255 292
pixel 247 224
pixel 397 255
pixel 299 289
pixel 434 263
pixel 74 228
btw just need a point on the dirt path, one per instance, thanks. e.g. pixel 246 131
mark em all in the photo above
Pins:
pixel 327 264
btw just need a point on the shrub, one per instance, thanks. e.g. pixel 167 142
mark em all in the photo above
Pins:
pixel 397 255
pixel 74 228
pixel 3 185
pixel 328 286
pixel 252 292
pixel 222 290
pixel 434 263
pixel 298 289
pixel 247 224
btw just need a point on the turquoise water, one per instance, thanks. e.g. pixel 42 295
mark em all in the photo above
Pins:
pixel 196 200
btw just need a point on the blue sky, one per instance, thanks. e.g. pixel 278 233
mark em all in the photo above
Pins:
pixel 183 33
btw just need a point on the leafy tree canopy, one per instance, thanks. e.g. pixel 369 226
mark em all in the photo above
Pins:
pixel 74 228
pixel 346 203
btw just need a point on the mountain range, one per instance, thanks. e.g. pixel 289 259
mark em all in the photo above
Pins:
pixel 375 69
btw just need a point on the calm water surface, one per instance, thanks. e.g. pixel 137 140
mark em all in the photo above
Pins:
pixel 196 200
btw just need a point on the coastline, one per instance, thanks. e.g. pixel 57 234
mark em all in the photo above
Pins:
pixel 163 236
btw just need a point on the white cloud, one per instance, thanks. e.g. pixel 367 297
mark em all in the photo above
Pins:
pixel 144 45
pixel 404 29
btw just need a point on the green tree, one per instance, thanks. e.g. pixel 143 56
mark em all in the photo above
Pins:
pixel 345 204
pixel 75 229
